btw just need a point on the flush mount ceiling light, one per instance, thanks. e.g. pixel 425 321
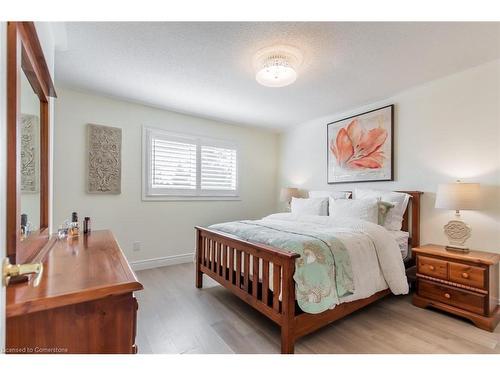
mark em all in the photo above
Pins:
pixel 277 66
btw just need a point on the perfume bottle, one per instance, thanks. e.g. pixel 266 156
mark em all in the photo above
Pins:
pixel 74 229
pixel 24 225
pixel 62 232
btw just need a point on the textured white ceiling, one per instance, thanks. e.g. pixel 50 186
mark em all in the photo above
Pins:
pixel 205 69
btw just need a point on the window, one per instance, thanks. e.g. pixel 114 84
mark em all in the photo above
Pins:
pixel 188 167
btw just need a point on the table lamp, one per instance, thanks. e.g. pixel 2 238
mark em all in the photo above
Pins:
pixel 458 196
pixel 287 194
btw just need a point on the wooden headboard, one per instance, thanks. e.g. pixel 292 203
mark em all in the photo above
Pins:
pixel 411 217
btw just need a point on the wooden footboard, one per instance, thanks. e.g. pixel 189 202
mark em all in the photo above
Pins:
pixel 236 264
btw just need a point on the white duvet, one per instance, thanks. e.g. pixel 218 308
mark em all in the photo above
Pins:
pixel 375 255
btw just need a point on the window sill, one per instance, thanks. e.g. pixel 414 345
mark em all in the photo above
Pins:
pixel 180 198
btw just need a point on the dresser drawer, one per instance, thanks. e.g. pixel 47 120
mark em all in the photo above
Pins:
pixel 432 267
pixel 470 301
pixel 467 275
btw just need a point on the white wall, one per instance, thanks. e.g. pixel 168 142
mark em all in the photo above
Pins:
pixel 165 229
pixel 444 130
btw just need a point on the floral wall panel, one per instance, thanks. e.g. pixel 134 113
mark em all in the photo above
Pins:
pixel 104 159
pixel 30 151
pixel 360 148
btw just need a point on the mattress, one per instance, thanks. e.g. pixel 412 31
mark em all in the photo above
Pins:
pixel 402 241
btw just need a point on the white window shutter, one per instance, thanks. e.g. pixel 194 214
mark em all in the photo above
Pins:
pixel 218 169
pixel 173 165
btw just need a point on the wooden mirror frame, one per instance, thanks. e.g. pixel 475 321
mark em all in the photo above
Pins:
pixel 25 52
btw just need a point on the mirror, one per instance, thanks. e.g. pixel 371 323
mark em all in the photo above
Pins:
pixel 30 158
pixel 29 91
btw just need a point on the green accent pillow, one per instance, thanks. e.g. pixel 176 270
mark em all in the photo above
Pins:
pixel 383 210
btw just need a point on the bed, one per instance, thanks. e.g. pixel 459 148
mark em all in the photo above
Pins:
pixel 263 275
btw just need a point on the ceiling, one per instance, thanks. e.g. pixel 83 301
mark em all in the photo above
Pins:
pixel 205 69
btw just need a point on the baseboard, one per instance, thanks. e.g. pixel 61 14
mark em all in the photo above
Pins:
pixel 146 264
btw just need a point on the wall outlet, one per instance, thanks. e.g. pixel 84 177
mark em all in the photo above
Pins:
pixel 136 246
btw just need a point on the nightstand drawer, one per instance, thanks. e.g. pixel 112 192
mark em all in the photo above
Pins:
pixel 467 275
pixel 432 267
pixel 462 299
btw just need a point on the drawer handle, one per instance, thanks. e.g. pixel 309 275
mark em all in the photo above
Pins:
pixel 432 268
pixel 465 275
pixel 447 295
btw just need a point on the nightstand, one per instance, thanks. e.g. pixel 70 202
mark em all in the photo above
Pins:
pixel 464 284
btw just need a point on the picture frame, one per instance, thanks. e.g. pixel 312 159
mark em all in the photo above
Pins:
pixel 360 148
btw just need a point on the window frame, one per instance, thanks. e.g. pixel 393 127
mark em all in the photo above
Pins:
pixel 158 194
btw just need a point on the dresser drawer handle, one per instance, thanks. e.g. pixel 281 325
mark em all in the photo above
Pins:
pixel 447 295
pixel 465 275
pixel 432 268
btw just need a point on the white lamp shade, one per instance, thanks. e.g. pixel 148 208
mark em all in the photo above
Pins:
pixel 458 196
pixel 287 194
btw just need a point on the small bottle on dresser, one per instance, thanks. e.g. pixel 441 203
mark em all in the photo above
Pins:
pixel 86 225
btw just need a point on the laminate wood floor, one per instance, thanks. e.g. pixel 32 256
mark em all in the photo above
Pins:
pixel 175 317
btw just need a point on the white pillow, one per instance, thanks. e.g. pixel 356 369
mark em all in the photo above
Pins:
pixel 328 194
pixel 394 219
pixel 309 206
pixel 363 209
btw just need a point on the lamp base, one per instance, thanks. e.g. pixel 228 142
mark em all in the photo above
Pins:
pixel 457 249
pixel 457 232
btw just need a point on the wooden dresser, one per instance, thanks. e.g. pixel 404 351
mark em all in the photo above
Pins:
pixel 84 303
pixel 464 284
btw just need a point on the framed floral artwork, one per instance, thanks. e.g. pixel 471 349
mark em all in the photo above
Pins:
pixel 360 148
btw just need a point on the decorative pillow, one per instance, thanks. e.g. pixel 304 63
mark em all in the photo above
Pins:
pixel 383 211
pixel 309 206
pixel 363 209
pixel 394 219
pixel 328 194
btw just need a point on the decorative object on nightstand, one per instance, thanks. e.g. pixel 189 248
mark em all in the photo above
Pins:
pixel 458 196
pixel 287 194
pixel 464 284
